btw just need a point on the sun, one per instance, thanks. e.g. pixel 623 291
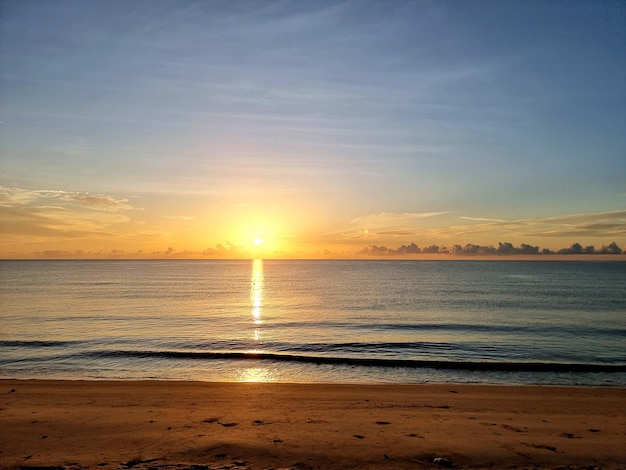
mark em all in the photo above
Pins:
pixel 258 241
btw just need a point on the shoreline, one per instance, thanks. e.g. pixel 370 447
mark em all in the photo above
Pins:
pixel 432 383
pixel 162 424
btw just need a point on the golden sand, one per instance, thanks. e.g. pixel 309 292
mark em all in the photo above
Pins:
pixel 167 425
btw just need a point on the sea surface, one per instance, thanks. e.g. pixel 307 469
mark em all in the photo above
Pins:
pixel 503 322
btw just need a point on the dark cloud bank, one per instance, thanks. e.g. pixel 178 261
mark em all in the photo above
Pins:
pixel 503 249
pixel 235 251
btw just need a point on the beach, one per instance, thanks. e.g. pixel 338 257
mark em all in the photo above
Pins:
pixel 201 425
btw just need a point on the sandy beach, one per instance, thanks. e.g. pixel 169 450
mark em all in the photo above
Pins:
pixel 162 425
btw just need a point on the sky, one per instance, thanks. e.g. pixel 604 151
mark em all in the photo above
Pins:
pixel 190 128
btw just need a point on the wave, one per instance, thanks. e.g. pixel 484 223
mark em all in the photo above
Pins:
pixel 367 362
pixel 532 329
pixel 38 343
pixel 457 327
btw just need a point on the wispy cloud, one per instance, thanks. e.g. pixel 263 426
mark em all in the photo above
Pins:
pixel 21 196
pixel 481 219
pixel 59 214
pixel 383 223
pixel 434 227
pixel 603 224
pixel 596 224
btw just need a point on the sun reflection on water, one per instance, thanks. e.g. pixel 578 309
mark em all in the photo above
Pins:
pixel 256 293
pixel 256 374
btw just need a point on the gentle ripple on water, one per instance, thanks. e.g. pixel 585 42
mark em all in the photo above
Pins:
pixel 335 321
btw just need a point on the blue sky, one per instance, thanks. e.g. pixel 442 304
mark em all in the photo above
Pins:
pixel 321 125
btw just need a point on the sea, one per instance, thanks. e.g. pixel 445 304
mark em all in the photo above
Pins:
pixel 312 321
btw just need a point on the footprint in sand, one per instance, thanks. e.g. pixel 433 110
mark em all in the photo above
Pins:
pixel 540 446
pixel 512 428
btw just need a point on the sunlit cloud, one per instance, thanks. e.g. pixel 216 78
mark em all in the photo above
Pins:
pixel 384 223
pixel 606 226
pixel 598 224
pixel 59 214
pixel 104 253
pixel 94 201
pixel 396 232
pixel 481 219
pixel 20 196
pixel 429 229
pixel 228 250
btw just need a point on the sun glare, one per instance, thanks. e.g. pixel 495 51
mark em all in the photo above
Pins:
pixel 258 241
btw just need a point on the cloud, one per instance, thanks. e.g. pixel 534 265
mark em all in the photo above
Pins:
pixel 597 224
pixel 600 224
pixel 19 196
pixel 409 249
pixel 104 253
pixel 503 249
pixel 49 218
pixel 48 222
pixel 587 217
pixel 95 201
pixel 384 223
pixel 59 254
pixel 481 219
pixel 59 214
pixel 393 218
pixel 377 231
pixel 220 250
pixel 169 252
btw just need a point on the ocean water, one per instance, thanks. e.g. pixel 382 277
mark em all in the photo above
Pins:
pixel 510 322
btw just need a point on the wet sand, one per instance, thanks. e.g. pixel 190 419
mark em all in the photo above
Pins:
pixel 180 425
